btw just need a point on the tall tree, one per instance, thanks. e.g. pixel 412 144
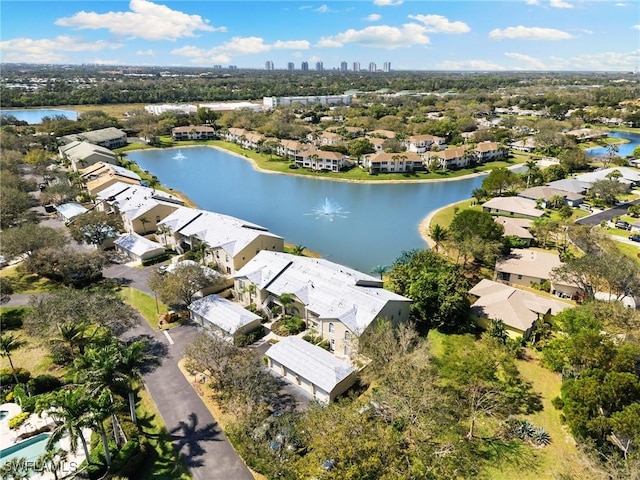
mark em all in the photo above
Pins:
pixel 9 343
pixel 180 286
pixel 95 227
pixel 438 234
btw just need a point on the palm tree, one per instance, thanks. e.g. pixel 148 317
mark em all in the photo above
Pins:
pixel 380 270
pixel 286 299
pixel 298 249
pixel 556 201
pixel 53 461
pixel 72 335
pixel 479 194
pixel 251 290
pixel 163 230
pixel 438 234
pixel 202 247
pixel 71 408
pixel 531 164
pixel 9 343
pixel 144 220
pixel 101 409
pixel 133 359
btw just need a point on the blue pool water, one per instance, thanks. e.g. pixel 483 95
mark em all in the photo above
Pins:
pixel 30 449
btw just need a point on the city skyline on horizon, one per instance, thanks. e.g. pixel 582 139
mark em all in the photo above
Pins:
pixel 466 35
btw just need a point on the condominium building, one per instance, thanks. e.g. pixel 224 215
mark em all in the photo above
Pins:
pixel 291 67
pixel 373 67
pixel 386 67
pixel 268 65
pixel 319 66
pixel 304 66
pixel 343 66
pixel 356 66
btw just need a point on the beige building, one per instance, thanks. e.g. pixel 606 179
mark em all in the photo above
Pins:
pixel 222 318
pixel 320 160
pixel 229 242
pixel 392 162
pixel 191 132
pixel 336 302
pixel 451 158
pixel 102 175
pixel 519 206
pixel 422 143
pixel 84 154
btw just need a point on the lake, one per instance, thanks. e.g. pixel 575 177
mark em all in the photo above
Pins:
pixel 624 149
pixel 35 115
pixel 356 224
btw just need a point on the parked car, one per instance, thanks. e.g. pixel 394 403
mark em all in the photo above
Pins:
pixel 586 207
pixel 634 238
pixel 623 225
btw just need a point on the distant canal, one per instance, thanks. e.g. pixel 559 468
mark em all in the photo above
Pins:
pixel 356 224
pixel 34 116
pixel 624 149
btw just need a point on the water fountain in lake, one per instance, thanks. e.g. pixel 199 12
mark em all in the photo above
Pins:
pixel 328 210
pixel 179 156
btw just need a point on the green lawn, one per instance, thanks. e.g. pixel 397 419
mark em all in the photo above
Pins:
pixel 145 304
pixel 446 214
pixel 164 462
pixel 629 250
pixel 28 283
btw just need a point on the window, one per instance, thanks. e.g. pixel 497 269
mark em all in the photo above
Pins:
pixel 347 335
pixel 519 277
pixel 332 345
pixel 217 254
pixel 331 329
pixel 228 270
pixel 241 283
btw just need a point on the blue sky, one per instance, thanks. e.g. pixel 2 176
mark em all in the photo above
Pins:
pixel 412 35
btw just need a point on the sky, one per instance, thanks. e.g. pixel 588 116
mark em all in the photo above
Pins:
pixel 472 35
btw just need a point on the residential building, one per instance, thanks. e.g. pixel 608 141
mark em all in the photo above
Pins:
pixel 518 310
pixel 110 138
pixel 192 132
pixel 526 267
pixel 68 211
pixel 386 67
pixel 373 67
pixel 547 194
pixel 268 66
pixel 304 66
pixel 229 242
pixel 235 134
pixel 292 148
pixel 84 154
pixel 102 175
pixel 319 67
pixel 343 66
pixel 336 302
pixel 310 368
pixel 272 102
pixel 392 162
pixel 513 206
pixel 382 134
pixel 141 208
pixel 321 160
pixel 450 158
pixel 422 143
pixel 490 151
pixel 330 139
pixel 516 227
pixel 570 185
pixel 377 143
pixel 222 318
pixel 586 134
pixel 252 140
pixel 138 248
pixel 626 175
pixel 356 66
pixel 291 66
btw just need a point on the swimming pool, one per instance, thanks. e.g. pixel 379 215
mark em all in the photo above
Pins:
pixel 30 449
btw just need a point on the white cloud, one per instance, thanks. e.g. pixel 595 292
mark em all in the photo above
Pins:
pixel 620 4
pixel 379 36
pixel 560 4
pixel 374 17
pixel 532 63
pixel 314 59
pixel 306 7
pixel 148 52
pixel 440 24
pixel 607 61
pixel 469 65
pixel 529 33
pixel 105 61
pixel 323 9
pixel 235 47
pixel 532 2
pixel 49 50
pixel 637 27
pixel 387 3
pixel 145 20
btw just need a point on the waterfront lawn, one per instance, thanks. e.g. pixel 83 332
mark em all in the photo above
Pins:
pixel 445 215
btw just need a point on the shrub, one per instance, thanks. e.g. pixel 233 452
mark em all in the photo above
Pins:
pixel 558 403
pixel 19 419
pixel 252 336
pixel 157 259
pixel 43 384
pixel 9 397
pixel 11 319
pixel 6 376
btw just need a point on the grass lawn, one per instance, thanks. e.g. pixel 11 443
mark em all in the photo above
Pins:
pixel 446 214
pixel 116 110
pixel 33 356
pixel 26 282
pixel 289 247
pixel 145 304
pixel 629 250
pixel 164 462
pixel 561 455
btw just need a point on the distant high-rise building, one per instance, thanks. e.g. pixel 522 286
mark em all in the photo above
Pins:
pixel 319 66
pixel 373 67
pixel 356 66
pixel 217 67
pixel 233 67
pixel 291 67
pixel 304 66
pixel 343 66
pixel 268 65
pixel 386 67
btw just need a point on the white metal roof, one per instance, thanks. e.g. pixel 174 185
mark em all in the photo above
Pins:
pixel 70 210
pixel 137 244
pixel 135 200
pixel 629 175
pixel 310 362
pixel 217 230
pixel 330 290
pixel 222 313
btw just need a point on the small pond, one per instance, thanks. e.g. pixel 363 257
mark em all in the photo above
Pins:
pixel 35 116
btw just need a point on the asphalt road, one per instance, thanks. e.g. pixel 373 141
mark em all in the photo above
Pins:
pixel 598 218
